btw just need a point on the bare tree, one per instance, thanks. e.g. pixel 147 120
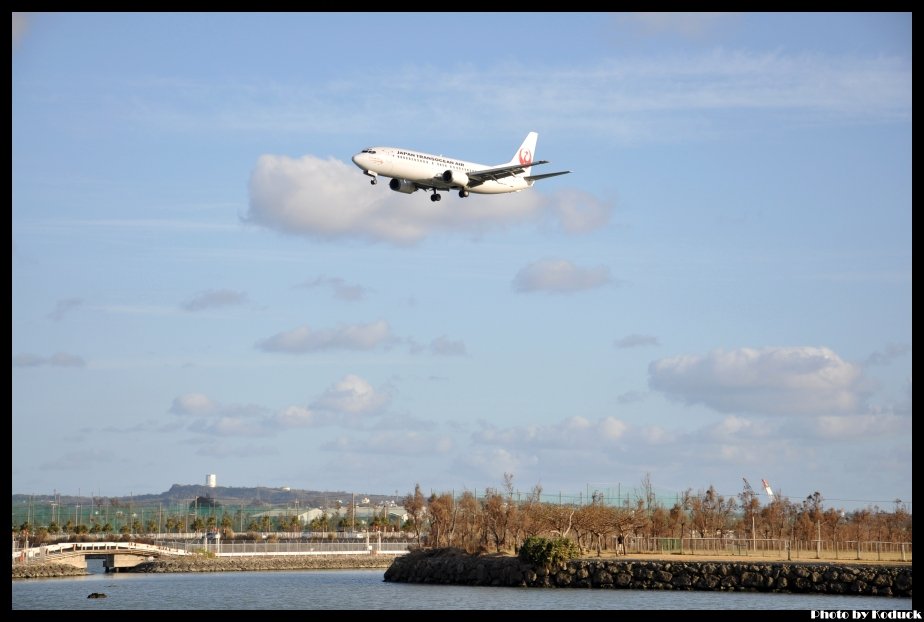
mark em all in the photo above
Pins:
pixel 416 510
pixel 468 518
pixel 494 516
pixel 710 512
pixel 442 511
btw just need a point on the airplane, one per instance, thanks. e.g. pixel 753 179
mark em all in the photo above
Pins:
pixel 411 171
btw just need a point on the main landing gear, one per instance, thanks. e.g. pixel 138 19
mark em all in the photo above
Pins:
pixel 436 196
pixel 463 193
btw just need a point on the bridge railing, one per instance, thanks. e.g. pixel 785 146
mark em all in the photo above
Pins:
pixel 235 548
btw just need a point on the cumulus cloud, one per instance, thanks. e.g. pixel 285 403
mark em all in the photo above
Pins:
pixel 345 403
pixel 200 405
pixel 63 307
pixel 559 276
pixel 58 359
pixel 298 417
pixel 328 199
pixel 443 346
pixel 214 298
pixel 577 211
pixel 340 288
pixel 346 337
pixel 574 432
pixel 351 395
pixel 772 381
pixel 636 341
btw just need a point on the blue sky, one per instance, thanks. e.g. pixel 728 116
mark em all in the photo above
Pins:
pixel 204 283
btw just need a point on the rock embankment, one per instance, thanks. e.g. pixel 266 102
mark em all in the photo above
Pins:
pixel 46 571
pixel 452 566
pixel 259 563
pixel 195 563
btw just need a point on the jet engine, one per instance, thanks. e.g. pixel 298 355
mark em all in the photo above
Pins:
pixel 455 178
pixel 402 185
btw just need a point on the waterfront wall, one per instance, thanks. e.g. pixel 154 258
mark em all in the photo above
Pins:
pixel 451 566
pixel 47 571
pixel 196 563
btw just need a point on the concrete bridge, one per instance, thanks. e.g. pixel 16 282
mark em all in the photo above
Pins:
pixel 115 555
pixel 126 554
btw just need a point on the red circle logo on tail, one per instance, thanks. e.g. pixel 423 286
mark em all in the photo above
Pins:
pixel 526 158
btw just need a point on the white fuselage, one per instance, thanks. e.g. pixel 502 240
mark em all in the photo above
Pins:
pixel 427 170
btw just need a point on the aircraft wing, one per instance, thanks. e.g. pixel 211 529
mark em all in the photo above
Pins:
pixel 499 172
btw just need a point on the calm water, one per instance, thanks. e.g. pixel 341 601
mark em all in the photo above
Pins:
pixel 364 589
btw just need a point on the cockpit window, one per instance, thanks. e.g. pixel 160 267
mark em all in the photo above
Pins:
pixel 368 150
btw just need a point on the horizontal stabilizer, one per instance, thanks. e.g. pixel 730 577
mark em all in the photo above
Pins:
pixel 535 177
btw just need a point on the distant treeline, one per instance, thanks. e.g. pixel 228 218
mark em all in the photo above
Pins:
pixel 500 519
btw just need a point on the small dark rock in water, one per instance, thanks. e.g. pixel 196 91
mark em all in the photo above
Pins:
pixel 97 595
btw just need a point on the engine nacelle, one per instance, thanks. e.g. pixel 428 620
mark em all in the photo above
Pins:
pixel 455 178
pixel 402 185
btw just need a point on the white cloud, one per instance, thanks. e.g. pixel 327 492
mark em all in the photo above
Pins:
pixel 58 359
pixel 298 417
pixel 670 98
pixel 200 405
pixel 328 199
pixel 560 276
pixel 214 298
pixel 348 337
pixel 571 433
pixel 635 341
pixel 774 381
pixel 579 212
pixel 195 404
pixel 351 395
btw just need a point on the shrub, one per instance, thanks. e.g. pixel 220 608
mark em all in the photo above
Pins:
pixel 547 552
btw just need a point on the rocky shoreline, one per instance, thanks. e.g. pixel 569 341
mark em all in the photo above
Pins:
pixel 46 571
pixel 455 567
pixel 218 564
